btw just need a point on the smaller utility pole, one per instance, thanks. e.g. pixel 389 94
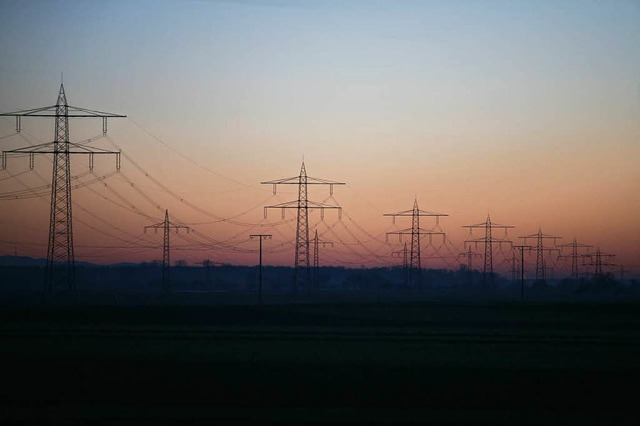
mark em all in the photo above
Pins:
pixel 166 226
pixel 522 248
pixel 260 237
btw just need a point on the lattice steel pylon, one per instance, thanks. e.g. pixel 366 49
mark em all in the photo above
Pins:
pixel 415 262
pixel 488 240
pixel 598 260
pixel 60 271
pixel 166 226
pixel 513 262
pixel 574 246
pixel 404 253
pixel 540 249
pixel 469 255
pixel 316 258
pixel 302 205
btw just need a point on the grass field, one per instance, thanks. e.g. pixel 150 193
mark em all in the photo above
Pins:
pixel 474 363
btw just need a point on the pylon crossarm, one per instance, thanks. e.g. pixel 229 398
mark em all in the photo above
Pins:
pixel 475 240
pixel 74 111
pixel 294 205
pixel 41 150
pixel 90 149
pixel 541 236
pixel 574 245
pixel 51 111
pixel 295 180
pixel 418 213
pixel 315 204
pixel 286 204
pixel 493 240
pixel 156 226
pixel 400 231
pixel 284 181
pixel 430 232
pixel 35 112
pixel 492 224
pixel 31 149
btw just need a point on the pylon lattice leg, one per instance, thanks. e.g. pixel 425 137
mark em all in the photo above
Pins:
pixel 60 255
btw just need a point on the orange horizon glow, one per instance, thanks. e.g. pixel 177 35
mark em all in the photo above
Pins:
pixel 524 111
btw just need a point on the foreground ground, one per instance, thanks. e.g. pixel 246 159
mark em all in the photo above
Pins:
pixel 474 363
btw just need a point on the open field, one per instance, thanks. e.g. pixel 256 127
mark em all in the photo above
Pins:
pixel 474 363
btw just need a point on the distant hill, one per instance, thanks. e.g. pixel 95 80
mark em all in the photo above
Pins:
pixel 30 261
pixel 21 261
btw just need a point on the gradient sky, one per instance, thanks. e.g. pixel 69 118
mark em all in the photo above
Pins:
pixel 529 111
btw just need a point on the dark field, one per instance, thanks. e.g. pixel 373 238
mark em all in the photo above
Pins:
pixel 475 363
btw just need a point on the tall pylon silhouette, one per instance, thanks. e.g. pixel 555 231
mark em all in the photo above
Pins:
pixel 415 261
pixel 574 255
pixel 469 255
pixel 488 240
pixel 60 271
pixel 540 249
pixel 302 259
pixel 166 227
pixel 598 261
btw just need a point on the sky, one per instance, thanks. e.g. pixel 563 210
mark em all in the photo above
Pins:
pixel 527 111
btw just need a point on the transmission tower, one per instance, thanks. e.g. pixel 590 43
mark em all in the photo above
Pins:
pixel 513 262
pixel 548 270
pixel 574 246
pixel 540 249
pixel 488 240
pixel 316 257
pixel 597 261
pixel 404 253
pixel 302 205
pixel 166 226
pixel 469 255
pixel 60 272
pixel 415 265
